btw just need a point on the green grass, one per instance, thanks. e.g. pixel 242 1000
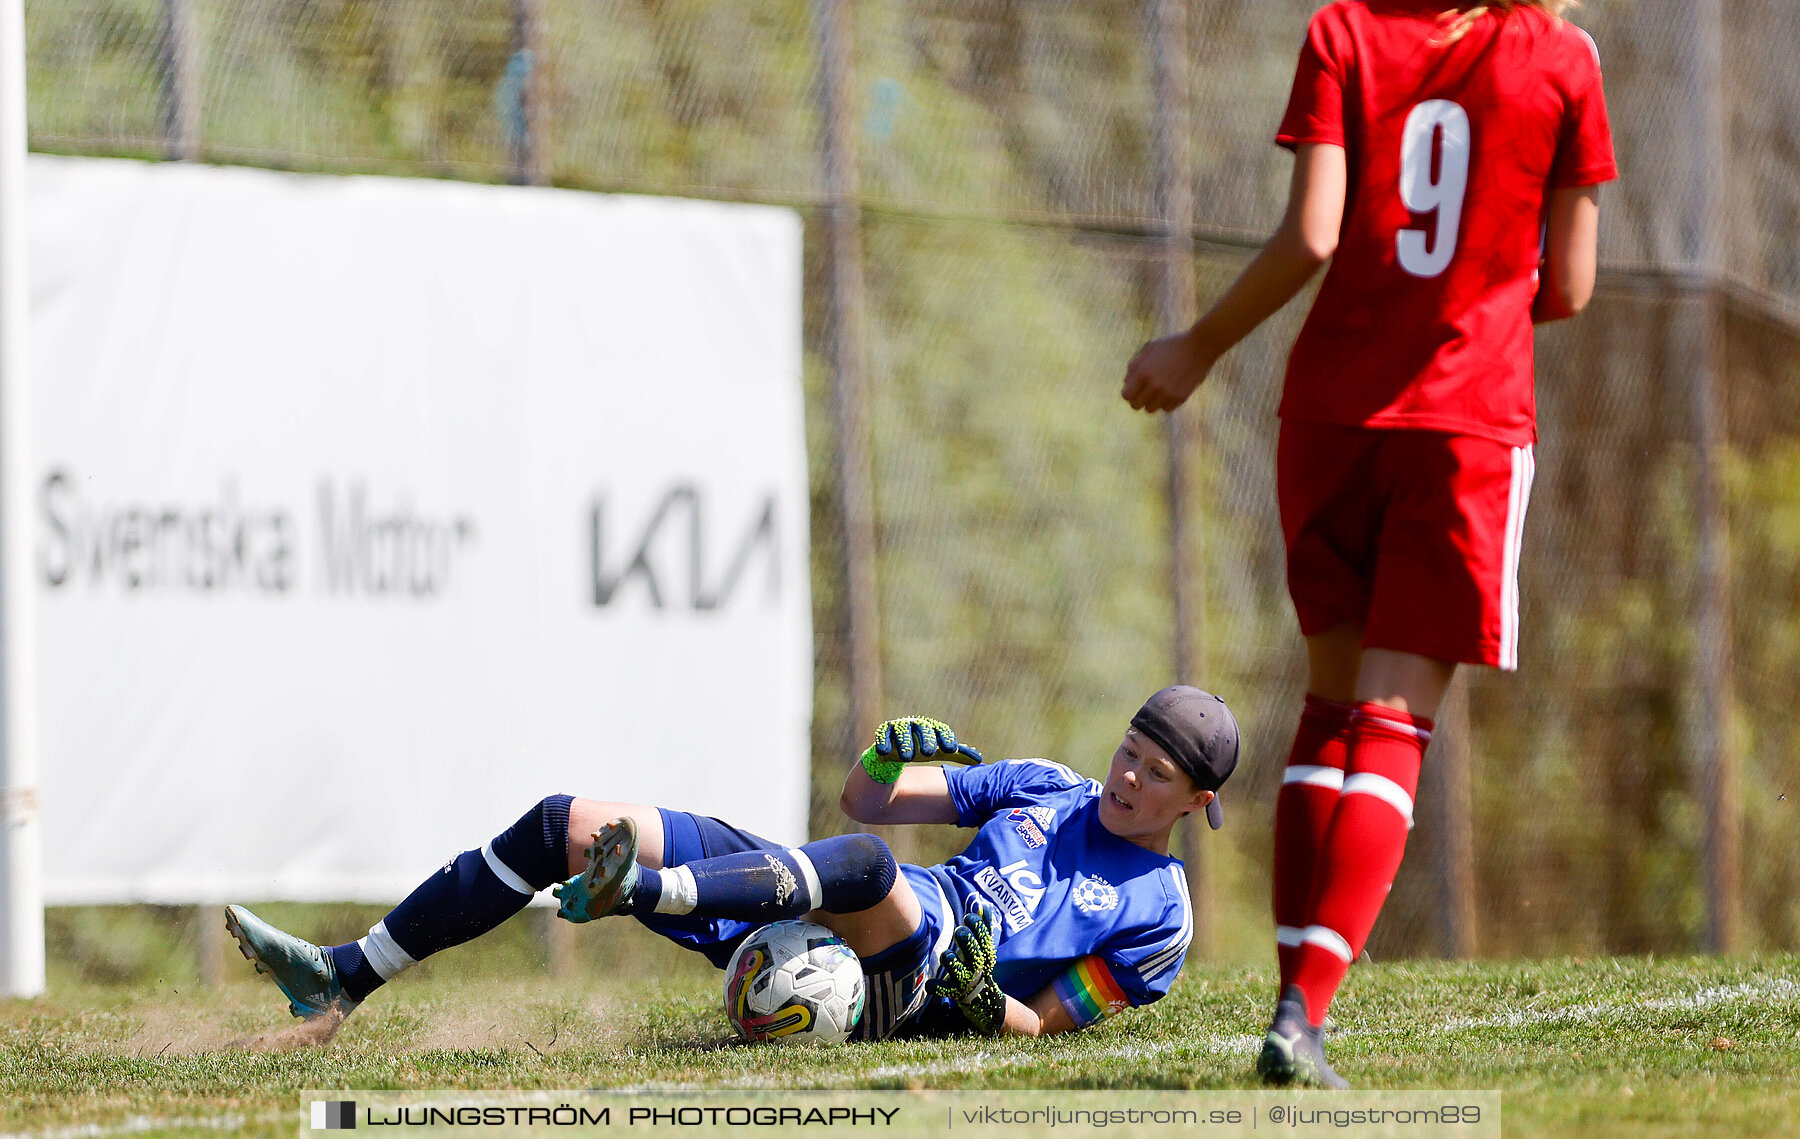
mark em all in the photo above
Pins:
pixel 1596 1047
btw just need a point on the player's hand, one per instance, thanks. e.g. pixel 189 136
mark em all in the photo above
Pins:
pixel 915 737
pixel 965 973
pixel 899 742
pixel 1165 372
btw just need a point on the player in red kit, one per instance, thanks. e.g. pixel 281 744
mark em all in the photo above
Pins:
pixel 1447 165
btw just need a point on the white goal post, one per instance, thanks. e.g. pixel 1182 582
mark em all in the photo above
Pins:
pixel 21 884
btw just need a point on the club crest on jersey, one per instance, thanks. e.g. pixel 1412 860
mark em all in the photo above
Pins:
pixel 1025 824
pixel 1095 895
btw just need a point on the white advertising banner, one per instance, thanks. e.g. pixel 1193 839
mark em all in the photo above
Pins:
pixel 370 511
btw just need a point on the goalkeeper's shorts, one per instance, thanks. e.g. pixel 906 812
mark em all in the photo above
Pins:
pixel 894 980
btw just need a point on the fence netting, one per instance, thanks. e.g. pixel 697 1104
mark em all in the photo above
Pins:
pixel 1008 215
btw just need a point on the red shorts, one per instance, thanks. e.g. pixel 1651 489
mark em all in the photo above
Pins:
pixel 1413 535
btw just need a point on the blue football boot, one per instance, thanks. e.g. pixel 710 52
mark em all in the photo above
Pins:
pixel 301 970
pixel 1294 1051
pixel 605 885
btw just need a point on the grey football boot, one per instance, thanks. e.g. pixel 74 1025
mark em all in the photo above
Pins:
pixel 1294 1051
pixel 606 883
pixel 301 970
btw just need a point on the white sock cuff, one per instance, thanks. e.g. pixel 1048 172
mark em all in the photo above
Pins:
pixel 680 894
pixel 809 874
pixel 383 953
pixel 1330 940
pixel 504 872
pixel 1383 788
pixel 1315 776
pixel 1289 936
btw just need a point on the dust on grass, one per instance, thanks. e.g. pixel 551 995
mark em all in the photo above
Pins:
pixel 497 1020
pixel 165 1030
pixel 214 1022
pixel 314 1032
pixel 509 1017
pixel 448 1031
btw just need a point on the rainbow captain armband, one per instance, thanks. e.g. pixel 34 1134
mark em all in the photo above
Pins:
pixel 1089 992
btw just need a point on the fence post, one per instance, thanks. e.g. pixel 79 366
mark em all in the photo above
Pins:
pixel 1710 736
pixel 522 105
pixel 845 338
pixel 180 66
pixel 1166 28
pixel 1453 808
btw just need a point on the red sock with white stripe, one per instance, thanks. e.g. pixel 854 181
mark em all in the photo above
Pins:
pixel 1309 793
pixel 1363 847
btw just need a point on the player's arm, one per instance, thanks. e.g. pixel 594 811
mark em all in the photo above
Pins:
pixel 1166 371
pixel 920 795
pixel 1571 244
pixel 890 785
pixel 1042 1015
pixel 1045 1014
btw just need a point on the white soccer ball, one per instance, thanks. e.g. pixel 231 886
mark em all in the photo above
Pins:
pixel 794 982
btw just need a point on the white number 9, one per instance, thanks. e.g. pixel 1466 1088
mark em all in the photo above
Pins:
pixel 1422 194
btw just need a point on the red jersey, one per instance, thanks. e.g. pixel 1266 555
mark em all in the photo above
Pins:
pixel 1424 318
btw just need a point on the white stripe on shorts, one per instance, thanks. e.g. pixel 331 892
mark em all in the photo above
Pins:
pixel 946 925
pixel 891 999
pixel 1518 497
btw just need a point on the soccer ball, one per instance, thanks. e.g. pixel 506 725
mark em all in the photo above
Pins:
pixel 794 982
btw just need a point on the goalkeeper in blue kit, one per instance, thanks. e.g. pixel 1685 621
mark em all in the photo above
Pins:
pixel 1065 908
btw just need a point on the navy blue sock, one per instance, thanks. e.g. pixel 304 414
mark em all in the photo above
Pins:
pixel 355 974
pixel 844 874
pixel 647 892
pixel 473 893
pixel 855 871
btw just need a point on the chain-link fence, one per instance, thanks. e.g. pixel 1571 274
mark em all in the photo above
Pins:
pixel 1006 201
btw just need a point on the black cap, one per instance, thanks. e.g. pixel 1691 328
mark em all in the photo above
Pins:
pixel 1199 733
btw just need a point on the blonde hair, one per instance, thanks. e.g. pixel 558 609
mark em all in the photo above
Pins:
pixel 1461 19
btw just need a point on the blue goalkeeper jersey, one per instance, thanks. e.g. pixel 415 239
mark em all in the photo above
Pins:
pixel 1066 888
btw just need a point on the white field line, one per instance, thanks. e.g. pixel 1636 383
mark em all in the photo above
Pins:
pixel 132 1125
pixel 1780 988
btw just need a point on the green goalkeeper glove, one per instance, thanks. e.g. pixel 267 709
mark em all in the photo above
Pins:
pixel 965 975
pixel 899 742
